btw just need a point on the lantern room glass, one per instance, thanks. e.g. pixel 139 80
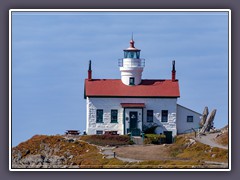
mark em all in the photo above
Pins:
pixel 132 54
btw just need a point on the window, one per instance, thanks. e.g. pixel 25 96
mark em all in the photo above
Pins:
pixel 99 132
pixel 189 118
pixel 99 116
pixel 114 116
pixel 164 115
pixel 138 54
pixel 149 115
pixel 132 54
pixel 131 81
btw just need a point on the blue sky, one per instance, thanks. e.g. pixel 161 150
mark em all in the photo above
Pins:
pixel 50 54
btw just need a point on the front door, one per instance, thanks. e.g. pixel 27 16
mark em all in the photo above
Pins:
pixel 133 127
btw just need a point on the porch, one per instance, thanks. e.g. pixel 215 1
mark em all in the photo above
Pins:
pixel 133 118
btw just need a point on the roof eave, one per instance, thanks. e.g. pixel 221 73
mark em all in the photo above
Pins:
pixel 111 96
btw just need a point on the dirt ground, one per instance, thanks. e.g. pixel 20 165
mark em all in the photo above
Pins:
pixel 210 139
pixel 144 152
pixel 159 152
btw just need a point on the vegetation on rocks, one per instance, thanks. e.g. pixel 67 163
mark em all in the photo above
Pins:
pixel 188 148
pixel 223 137
pixel 43 151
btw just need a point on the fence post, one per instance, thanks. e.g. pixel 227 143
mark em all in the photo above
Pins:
pixel 195 133
pixel 143 136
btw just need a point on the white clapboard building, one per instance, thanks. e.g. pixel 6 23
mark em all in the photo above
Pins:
pixel 132 104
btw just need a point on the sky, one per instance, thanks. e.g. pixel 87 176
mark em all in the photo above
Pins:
pixel 51 50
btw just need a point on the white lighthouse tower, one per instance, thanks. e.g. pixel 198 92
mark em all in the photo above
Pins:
pixel 131 66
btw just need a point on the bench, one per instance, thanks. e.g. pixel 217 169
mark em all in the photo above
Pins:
pixel 72 132
pixel 111 133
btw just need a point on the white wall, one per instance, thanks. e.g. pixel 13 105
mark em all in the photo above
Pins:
pixel 182 124
pixel 106 104
pixel 155 104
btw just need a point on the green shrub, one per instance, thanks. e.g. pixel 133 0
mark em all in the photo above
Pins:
pixel 150 130
pixel 154 139
pixel 110 140
pixel 131 142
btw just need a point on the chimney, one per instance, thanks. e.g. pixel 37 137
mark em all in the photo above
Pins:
pixel 90 71
pixel 173 71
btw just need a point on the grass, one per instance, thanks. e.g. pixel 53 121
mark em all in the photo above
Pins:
pixel 222 139
pixel 178 155
pixel 197 151
pixel 83 154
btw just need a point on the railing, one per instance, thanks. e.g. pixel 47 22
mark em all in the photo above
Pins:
pixel 190 130
pixel 134 132
pixel 130 62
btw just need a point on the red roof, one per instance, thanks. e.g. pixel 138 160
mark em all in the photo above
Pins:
pixel 115 88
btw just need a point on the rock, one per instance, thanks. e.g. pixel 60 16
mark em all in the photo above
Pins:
pixel 33 160
pixel 213 155
pixel 46 160
pixel 39 161
pixel 75 166
pixel 191 142
pixel 46 149
pixel 211 131
pixel 43 157
pixel 45 166
pixel 67 153
pixel 19 155
pixel 62 158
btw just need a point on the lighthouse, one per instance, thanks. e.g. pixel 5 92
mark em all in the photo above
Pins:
pixel 133 104
pixel 131 66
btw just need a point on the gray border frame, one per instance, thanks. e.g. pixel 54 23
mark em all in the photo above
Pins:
pixel 114 10
pixel 170 4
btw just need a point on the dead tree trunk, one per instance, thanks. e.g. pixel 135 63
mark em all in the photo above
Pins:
pixel 209 122
pixel 204 117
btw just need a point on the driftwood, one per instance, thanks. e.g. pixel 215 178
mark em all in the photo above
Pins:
pixel 208 125
pixel 210 120
pixel 204 117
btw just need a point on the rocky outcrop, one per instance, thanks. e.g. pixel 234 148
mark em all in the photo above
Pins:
pixel 45 155
pixel 40 161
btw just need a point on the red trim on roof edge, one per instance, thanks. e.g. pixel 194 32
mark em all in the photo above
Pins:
pixel 133 105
